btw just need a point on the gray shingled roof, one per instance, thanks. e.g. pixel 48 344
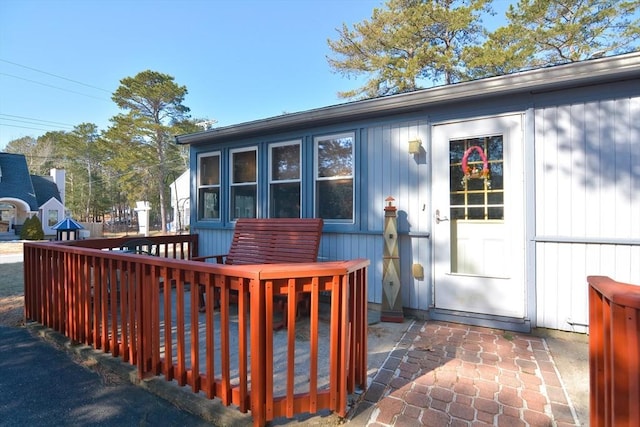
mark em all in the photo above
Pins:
pixel 16 181
pixel 45 189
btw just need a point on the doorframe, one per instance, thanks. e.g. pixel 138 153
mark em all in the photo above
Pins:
pixel 527 130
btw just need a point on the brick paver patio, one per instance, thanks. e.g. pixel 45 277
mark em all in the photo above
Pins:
pixel 446 374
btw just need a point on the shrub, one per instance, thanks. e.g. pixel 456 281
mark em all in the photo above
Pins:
pixel 32 229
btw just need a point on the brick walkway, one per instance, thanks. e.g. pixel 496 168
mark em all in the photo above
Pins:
pixel 445 374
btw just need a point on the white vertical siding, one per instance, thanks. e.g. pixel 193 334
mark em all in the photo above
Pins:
pixel 562 270
pixel 587 203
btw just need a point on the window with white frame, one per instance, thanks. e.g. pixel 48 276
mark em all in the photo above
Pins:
pixel 243 183
pixel 209 186
pixel 334 172
pixel 284 180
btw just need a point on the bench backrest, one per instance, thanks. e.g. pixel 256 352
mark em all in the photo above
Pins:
pixel 275 240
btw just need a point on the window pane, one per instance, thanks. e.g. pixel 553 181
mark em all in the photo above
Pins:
pixel 285 200
pixel 53 218
pixel 497 176
pixel 208 206
pixel 472 195
pixel 244 166
pixel 496 198
pixel 285 162
pixel 335 157
pixel 335 199
pixel 457 213
pixel 496 213
pixel 475 213
pixel 243 201
pixel 494 148
pixel 475 199
pixel 457 199
pixel 210 170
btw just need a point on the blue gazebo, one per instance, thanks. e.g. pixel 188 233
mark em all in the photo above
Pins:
pixel 67 229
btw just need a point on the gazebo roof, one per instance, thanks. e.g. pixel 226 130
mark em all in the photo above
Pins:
pixel 68 224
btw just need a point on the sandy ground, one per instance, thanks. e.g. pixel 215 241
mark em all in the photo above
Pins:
pixel 7 248
pixel 11 287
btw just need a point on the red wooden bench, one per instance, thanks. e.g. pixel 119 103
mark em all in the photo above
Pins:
pixel 271 241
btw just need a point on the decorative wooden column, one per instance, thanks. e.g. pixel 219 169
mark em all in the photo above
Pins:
pixel 391 297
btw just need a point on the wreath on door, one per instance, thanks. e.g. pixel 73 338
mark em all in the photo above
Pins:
pixel 474 172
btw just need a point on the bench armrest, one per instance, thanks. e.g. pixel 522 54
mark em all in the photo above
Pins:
pixel 219 258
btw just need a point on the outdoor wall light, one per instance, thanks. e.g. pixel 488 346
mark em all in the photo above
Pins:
pixel 415 146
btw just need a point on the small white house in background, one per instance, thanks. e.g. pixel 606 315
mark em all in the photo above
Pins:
pixel 23 195
pixel 180 196
pixel 510 190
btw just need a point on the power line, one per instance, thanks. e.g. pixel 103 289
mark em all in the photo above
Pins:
pixel 55 75
pixel 32 121
pixel 52 86
pixel 24 127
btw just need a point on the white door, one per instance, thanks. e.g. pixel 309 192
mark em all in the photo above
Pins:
pixel 478 228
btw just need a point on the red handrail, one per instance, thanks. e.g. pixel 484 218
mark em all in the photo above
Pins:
pixel 614 352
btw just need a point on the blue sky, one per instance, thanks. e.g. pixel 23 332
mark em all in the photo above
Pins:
pixel 240 60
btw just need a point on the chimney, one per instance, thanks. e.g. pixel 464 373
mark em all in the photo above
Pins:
pixel 58 176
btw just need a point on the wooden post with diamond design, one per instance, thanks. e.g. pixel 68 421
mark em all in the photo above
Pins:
pixel 391 296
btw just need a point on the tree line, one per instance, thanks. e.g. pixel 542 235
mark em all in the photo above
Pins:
pixel 134 159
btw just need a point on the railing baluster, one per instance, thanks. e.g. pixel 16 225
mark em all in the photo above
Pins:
pixel 210 300
pixel 193 279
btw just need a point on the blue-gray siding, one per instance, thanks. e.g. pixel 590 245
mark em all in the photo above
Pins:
pixel 585 195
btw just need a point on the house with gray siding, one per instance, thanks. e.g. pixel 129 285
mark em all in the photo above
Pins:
pixel 509 190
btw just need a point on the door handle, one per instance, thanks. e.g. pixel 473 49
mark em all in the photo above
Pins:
pixel 440 219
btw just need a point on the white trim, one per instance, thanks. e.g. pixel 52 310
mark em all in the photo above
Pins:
pixel 232 184
pixel 199 186
pixel 316 178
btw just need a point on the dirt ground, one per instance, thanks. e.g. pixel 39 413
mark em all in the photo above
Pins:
pixel 11 287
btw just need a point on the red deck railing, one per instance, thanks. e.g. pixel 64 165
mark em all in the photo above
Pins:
pixel 144 309
pixel 614 352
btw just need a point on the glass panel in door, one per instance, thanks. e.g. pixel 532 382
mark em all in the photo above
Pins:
pixel 476 203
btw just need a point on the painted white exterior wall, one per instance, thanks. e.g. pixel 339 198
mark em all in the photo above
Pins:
pixel 53 206
pixel 180 203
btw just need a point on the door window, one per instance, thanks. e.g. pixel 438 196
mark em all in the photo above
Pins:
pixel 476 197
pixel 474 194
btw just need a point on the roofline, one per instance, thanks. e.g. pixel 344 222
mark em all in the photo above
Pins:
pixel 613 68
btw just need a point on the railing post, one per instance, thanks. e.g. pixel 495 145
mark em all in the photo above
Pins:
pixel 258 359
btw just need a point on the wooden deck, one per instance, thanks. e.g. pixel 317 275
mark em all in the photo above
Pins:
pixel 121 303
